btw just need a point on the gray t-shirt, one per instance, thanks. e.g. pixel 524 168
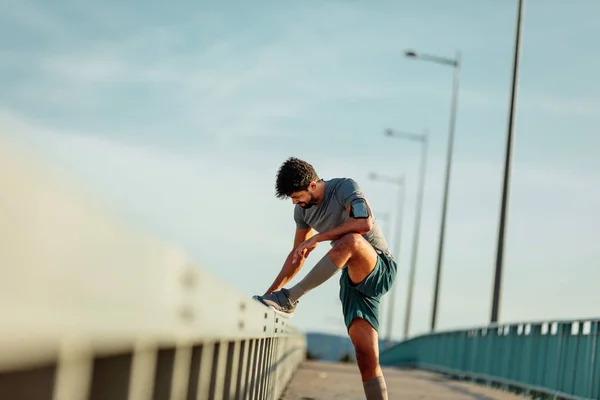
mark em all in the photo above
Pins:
pixel 331 211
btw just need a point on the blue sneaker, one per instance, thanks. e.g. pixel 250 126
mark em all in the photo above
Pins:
pixel 279 301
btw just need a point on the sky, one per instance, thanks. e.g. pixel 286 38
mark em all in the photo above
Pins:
pixel 178 117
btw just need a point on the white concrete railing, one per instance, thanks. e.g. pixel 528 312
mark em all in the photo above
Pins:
pixel 90 309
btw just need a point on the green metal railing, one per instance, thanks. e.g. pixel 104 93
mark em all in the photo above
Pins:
pixel 552 359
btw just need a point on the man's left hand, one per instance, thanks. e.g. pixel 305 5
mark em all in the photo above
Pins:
pixel 304 248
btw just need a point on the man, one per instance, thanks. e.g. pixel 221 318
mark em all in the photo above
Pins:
pixel 340 213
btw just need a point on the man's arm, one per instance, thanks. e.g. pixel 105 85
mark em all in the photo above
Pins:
pixel 291 268
pixel 350 196
pixel 356 225
pixel 359 225
pixel 360 218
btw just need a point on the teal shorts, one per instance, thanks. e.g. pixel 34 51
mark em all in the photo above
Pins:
pixel 362 300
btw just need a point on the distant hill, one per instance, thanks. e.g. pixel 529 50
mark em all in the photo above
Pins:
pixel 329 347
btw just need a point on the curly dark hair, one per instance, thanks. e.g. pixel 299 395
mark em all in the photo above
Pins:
pixel 293 176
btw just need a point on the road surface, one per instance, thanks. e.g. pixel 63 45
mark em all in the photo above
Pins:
pixel 330 381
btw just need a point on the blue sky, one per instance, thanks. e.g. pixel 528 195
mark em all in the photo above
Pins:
pixel 178 116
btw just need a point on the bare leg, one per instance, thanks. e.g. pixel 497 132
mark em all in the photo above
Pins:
pixel 354 250
pixel 366 347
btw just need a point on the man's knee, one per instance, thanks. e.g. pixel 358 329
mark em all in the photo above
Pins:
pixel 351 241
pixel 353 250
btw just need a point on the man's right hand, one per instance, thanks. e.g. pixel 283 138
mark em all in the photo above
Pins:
pixel 304 249
pixel 291 267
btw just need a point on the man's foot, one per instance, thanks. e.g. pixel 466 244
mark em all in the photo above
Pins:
pixel 279 301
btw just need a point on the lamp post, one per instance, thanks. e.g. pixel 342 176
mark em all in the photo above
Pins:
pixel 401 183
pixel 456 64
pixel 422 138
pixel 387 217
pixel 507 163
pixel 387 231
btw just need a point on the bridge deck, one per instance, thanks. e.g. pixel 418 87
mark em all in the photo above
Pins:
pixel 329 381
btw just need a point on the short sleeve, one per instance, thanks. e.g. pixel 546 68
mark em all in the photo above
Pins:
pixel 348 191
pixel 300 223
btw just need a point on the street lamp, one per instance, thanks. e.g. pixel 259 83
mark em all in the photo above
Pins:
pixel 507 162
pixel 386 217
pixel 428 57
pixel 422 138
pixel 456 64
pixel 401 183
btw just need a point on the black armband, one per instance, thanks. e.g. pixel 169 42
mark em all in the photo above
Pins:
pixel 359 209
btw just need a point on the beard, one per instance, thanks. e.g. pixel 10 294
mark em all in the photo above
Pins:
pixel 309 204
